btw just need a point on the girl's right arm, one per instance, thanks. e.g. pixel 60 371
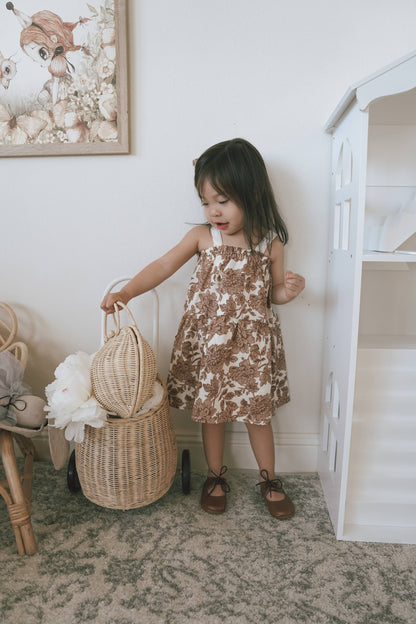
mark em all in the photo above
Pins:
pixel 158 271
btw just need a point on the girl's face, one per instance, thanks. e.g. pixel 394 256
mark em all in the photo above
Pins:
pixel 221 212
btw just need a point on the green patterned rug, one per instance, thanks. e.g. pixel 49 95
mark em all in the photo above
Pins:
pixel 172 563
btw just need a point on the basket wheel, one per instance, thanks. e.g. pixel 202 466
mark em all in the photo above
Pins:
pixel 186 471
pixel 72 475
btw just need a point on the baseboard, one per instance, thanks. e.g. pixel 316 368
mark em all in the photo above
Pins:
pixel 295 452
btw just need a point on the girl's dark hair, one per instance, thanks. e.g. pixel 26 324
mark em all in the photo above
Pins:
pixel 236 169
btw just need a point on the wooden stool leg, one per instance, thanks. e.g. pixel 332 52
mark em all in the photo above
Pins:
pixel 28 451
pixel 4 491
pixel 19 510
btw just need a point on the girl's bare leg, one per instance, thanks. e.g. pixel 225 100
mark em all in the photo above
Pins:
pixel 213 437
pixel 262 443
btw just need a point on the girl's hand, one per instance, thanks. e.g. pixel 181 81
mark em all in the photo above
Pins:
pixel 110 299
pixel 293 284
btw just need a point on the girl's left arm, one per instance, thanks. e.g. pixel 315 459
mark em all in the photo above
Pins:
pixel 286 286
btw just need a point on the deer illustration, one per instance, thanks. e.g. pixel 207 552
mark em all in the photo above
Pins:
pixel 47 39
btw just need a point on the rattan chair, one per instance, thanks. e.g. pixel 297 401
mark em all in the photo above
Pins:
pixel 16 489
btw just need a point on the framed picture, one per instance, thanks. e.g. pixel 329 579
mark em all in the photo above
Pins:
pixel 63 77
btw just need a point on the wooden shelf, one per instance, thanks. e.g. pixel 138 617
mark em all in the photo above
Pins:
pixel 383 256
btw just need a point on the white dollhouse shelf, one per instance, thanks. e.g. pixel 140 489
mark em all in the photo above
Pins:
pixel 367 459
pixel 397 77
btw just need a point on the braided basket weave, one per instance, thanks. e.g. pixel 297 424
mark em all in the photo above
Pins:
pixel 131 462
pixel 123 371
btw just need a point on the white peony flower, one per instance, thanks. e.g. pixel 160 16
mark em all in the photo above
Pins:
pixel 70 401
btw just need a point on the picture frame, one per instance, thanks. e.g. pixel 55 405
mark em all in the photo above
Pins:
pixel 63 78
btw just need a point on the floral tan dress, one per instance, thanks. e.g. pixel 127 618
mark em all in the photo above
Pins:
pixel 228 361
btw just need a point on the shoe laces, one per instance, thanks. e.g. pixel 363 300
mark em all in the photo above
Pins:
pixel 218 479
pixel 271 485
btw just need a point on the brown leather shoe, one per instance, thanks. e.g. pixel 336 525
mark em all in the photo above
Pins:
pixel 215 504
pixel 280 509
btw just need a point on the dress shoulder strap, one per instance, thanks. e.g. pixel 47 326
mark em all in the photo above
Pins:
pixel 267 240
pixel 216 237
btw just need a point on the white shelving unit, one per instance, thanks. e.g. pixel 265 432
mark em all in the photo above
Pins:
pixel 367 460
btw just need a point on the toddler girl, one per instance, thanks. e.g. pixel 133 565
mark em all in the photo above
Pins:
pixel 228 362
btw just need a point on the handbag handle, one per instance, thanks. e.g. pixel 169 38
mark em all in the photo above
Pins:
pixel 116 317
pixel 155 338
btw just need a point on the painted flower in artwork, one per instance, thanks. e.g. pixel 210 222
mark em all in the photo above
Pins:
pixel 19 130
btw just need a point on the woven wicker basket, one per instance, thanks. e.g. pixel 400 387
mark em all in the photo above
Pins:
pixel 128 463
pixel 123 371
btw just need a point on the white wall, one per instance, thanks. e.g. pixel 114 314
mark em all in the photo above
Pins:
pixel 270 71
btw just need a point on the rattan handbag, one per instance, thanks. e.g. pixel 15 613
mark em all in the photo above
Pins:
pixel 123 371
